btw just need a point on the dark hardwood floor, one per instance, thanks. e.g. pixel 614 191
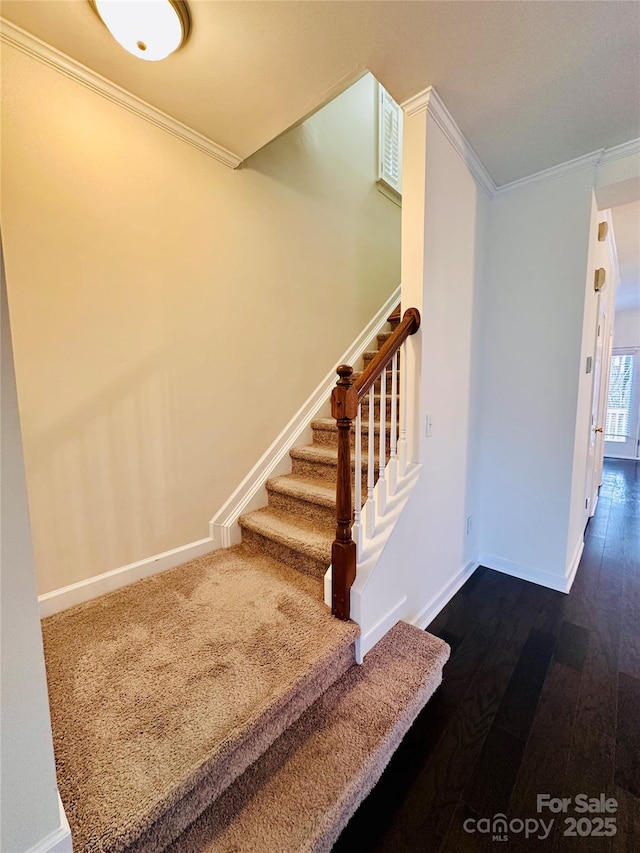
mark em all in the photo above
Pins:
pixel 541 696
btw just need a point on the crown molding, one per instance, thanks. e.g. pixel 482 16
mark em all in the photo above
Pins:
pixel 430 102
pixel 553 173
pixel 53 58
pixel 626 149
pixel 595 158
pixel 417 103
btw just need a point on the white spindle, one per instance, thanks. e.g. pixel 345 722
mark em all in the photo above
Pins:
pixel 357 491
pixel 392 480
pixel 402 443
pixel 382 485
pixel 370 507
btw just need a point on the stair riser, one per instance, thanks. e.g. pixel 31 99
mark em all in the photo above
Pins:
pixel 305 468
pixel 376 386
pixel 324 516
pixel 376 410
pixel 367 357
pixel 300 562
pixel 329 438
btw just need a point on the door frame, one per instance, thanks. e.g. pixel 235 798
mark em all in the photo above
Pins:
pixel 595 447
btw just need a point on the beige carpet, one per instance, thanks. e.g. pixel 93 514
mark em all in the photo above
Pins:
pixel 301 794
pixel 181 681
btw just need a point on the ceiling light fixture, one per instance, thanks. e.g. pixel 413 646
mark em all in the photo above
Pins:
pixel 148 29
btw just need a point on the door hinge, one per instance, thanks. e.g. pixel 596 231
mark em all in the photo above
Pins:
pixel 586 503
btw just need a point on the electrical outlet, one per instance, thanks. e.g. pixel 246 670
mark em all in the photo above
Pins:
pixel 469 524
pixel 429 427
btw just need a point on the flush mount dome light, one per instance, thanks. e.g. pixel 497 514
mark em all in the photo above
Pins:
pixel 148 29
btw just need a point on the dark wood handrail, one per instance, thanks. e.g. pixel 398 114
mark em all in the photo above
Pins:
pixel 408 326
pixel 345 399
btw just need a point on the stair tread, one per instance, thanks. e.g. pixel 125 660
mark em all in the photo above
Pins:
pixel 372 353
pixel 305 488
pixel 295 532
pixel 302 792
pixel 181 679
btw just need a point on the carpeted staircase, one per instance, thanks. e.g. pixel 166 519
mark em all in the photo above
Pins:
pixel 216 706
pixel 298 525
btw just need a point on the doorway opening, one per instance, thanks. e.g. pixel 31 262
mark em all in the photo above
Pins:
pixel 622 419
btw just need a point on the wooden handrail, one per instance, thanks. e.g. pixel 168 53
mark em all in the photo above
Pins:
pixel 409 326
pixel 345 399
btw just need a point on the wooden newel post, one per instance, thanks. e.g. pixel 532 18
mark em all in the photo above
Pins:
pixel 344 408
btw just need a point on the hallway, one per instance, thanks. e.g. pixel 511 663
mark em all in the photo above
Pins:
pixel 541 696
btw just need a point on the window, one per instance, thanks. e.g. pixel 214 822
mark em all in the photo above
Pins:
pixel 618 420
pixel 389 146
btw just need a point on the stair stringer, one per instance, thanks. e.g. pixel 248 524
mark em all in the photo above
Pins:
pixel 366 602
pixel 251 494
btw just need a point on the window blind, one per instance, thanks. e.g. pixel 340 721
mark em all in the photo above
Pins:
pixel 618 420
pixel 390 141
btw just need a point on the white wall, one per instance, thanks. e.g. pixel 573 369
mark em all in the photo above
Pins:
pixel 171 315
pixel 445 220
pixel 533 306
pixel 626 329
pixel 29 797
pixel 506 293
pixel 617 181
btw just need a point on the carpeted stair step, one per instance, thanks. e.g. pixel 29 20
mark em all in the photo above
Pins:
pixel 297 542
pixel 376 408
pixel 304 498
pixel 377 383
pixel 318 461
pixel 394 318
pixel 299 796
pixel 325 433
pixel 164 692
pixel 383 337
pixel 369 356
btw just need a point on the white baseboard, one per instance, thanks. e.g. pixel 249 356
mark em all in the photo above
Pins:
pixel 85 590
pixel 58 841
pixel 572 568
pixel 561 583
pixel 428 613
pixel 376 632
pixel 251 493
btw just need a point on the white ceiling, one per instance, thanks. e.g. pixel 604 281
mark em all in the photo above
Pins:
pixel 531 84
pixel 626 230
